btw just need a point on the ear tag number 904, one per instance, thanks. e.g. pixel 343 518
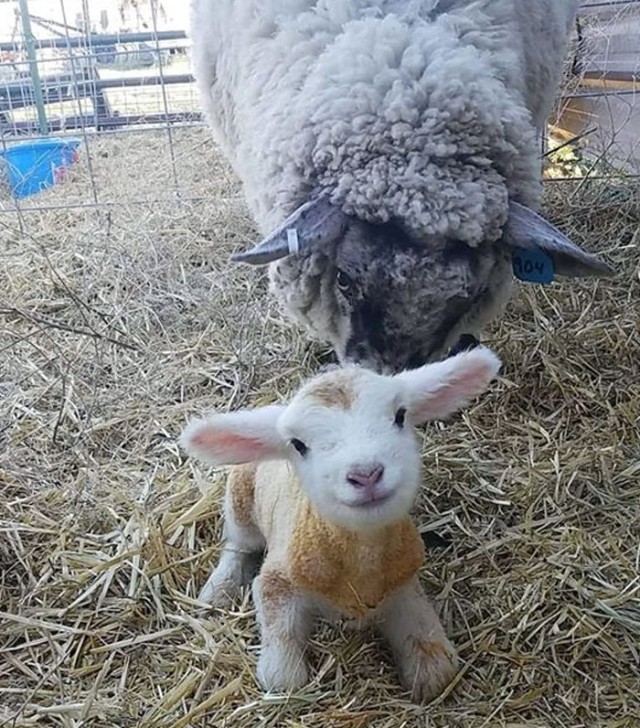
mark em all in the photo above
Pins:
pixel 532 266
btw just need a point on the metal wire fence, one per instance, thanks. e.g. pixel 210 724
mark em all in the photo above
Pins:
pixel 121 69
pixel 599 103
pixel 60 77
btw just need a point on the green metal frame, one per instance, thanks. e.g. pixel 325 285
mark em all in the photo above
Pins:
pixel 30 45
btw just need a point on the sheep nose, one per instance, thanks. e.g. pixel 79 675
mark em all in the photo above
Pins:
pixel 365 477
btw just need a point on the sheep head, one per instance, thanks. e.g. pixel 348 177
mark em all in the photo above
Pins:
pixel 349 434
pixel 387 300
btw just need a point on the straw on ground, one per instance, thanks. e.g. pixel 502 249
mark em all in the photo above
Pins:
pixel 118 323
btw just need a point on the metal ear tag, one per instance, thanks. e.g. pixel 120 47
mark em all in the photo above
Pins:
pixel 292 241
pixel 533 266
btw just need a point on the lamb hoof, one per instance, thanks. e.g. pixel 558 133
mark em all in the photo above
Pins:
pixel 282 671
pixel 218 596
pixel 224 585
pixel 428 670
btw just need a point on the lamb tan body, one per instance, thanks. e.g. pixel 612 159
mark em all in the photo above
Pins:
pixel 313 568
pixel 322 488
pixel 353 571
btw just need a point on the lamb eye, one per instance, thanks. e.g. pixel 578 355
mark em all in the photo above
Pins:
pixel 400 415
pixel 299 446
pixel 344 281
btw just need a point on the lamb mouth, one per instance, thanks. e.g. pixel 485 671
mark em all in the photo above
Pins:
pixel 466 342
pixel 367 504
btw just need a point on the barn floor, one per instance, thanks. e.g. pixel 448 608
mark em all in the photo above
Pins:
pixel 119 322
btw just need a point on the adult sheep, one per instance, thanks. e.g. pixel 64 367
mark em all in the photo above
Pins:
pixel 390 154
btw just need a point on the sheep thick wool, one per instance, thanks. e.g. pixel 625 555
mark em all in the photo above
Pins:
pixel 427 112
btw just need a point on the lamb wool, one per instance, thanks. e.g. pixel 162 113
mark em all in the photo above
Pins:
pixel 328 508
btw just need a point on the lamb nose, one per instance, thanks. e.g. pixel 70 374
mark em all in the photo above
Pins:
pixel 365 477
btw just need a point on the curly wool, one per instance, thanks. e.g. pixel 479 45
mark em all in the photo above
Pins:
pixel 401 112
pixel 431 138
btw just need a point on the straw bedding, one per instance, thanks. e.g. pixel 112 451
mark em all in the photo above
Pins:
pixel 120 322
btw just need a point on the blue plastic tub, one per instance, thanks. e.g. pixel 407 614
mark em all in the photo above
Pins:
pixel 35 165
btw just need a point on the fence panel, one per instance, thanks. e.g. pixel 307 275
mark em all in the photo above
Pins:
pixel 602 96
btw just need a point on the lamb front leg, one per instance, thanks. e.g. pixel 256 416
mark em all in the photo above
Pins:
pixel 427 661
pixel 286 619
pixel 244 544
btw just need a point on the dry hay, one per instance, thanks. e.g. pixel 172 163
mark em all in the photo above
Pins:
pixel 118 324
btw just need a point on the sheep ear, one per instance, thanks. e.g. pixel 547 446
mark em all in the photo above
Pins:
pixel 237 437
pixel 541 250
pixel 436 391
pixel 317 222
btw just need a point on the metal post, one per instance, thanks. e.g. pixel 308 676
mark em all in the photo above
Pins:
pixel 33 65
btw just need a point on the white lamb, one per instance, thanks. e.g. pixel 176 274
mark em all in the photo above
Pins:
pixel 326 493
pixel 390 152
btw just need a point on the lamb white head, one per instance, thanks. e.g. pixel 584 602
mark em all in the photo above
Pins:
pixel 349 434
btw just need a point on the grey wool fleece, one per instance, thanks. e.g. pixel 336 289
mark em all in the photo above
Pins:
pixel 425 112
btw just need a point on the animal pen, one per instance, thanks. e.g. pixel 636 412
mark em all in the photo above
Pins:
pixel 121 316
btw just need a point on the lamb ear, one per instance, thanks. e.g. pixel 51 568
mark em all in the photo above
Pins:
pixel 435 391
pixel 317 222
pixel 236 437
pixel 529 231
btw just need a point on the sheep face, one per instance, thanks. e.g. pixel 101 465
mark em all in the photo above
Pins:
pixel 387 302
pixel 349 435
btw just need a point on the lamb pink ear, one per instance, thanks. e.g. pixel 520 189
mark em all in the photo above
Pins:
pixel 436 391
pixel 234 438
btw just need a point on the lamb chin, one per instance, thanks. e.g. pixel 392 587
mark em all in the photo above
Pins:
pixel 374 515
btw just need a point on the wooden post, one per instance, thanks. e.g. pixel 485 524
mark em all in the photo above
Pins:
pixel 33 66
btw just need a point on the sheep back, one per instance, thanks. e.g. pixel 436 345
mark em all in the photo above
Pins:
pixel 424 112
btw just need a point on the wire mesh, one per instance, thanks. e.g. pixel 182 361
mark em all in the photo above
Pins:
pixel 108 71
pixel 599 103
pixel 117 70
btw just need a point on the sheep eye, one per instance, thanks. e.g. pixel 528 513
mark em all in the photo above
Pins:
pixel 299 446
pixel 344 281
pixel 400 415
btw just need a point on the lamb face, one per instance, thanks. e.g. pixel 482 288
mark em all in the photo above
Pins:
pixel 388 302
pixel 349 434
pixel 353 447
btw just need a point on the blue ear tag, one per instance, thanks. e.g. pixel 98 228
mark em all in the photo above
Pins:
pixel 532 266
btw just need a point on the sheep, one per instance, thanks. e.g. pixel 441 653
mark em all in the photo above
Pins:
pixel 390 155
pixel 324 485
